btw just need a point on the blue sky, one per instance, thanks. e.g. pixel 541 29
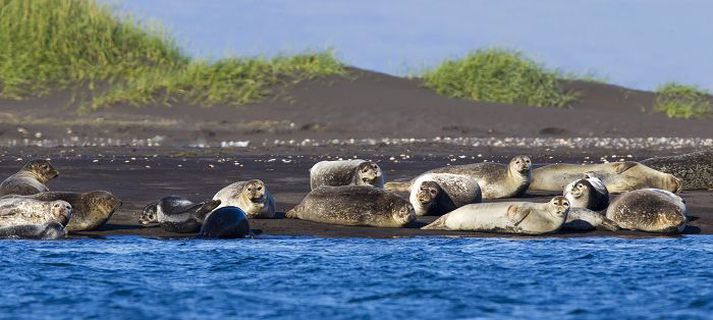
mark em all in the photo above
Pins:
pixel 636 43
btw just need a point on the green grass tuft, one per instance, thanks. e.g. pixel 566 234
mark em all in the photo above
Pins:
pixel 53 45
pixel 498 75
pixel 682 101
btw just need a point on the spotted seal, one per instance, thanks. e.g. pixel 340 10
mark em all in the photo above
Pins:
pixel 225 223
pixel 355 172
pixel 354 206
pixel 618 177
pixel 695 169
pixel 650 210
pixel 440 193
pixel 583 219
pixel 32 178
pixel 251 196
pixel 496 180
pixel 177 214
pixel 24 211
pixel 506 217
pixel 588 192
pixel 45 231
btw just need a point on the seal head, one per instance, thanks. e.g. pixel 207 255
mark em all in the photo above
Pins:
pixel 42 169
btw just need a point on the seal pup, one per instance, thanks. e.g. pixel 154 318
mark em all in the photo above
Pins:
pixel 251 196
pixel 226 223
pixel 30 179
pixel 354 206
pixel 23 211
pixel 695 169
pixel 46 231
pixel 440 193
pixel 588 192
pixel 90 210
pixel 583 219
pixel 506 217
pixel 346 173
pixel 177 214
pixel 496 180
pixel 618 177
pixel 650 210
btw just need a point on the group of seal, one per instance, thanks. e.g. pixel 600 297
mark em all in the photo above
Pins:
pixel 28 209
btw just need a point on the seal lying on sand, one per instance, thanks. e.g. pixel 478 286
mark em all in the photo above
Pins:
pixel 177 214
pixel 583 219
pixel 30 179
pixel 225 223
pixel 45 231
pixel 650 210
pixel 90 210
pixel 345 173
pixel 22 211
pixel 354 206
pixel 695 169
pixel 251 196
pixel 440 193
pixel 618 177
pixel 589 192
pixel 496 180
pixel 507 217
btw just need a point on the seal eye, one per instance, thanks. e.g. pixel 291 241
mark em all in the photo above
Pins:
pixel 259 188
pixel 433 191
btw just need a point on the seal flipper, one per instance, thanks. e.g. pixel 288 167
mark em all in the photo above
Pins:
pixel 620 167
pixel 517 214
pixel 202 209
pixel 439 224
pixel 609 224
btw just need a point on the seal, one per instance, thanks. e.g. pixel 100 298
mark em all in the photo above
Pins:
pixel 695 169
pixel 588 192
pixel 496 180
pixel 177 214
pixel 354 206
pixel 583 219
pixel 346 173
pixel 23 211
pixel 251 196
pixel 226 223
pixel 46 231
pixel 440 193
pixel 618 177
pixel 506 217
pixel 90 210
pixel 650 210
pixel 30 179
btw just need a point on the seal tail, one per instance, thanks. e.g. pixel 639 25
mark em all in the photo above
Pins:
pixel 439 224
pixel 609 224
pixel 396 186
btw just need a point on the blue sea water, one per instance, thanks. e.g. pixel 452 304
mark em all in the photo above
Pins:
pixel 312 278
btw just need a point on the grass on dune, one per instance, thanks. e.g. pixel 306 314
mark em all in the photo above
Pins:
pixel 498 75
pixel 82 45
pixel 682 101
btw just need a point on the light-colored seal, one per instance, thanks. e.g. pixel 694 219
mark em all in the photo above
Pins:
pixel 440 193
pixel 496 180
pixel 507 217
pixel 24 211
pixel 251 196
pixel 225 223
pixel 45 231
pixel 354 206
pixel 90 210
pixel 30 179
pixel 695 169
pixel 650 210
pixel 588 192
pixel 617 176
pixel 177 214
pixel 583 219
pixel 346 173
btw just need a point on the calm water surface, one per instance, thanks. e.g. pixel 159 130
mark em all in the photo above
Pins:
pixel 139 278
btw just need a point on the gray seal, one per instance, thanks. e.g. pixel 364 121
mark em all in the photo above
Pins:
pixel 439 193
pixel 588 192
pixel 650 210
pixel 355 172
pixel 506 217
pixel 619 177
pixel 695 169
pixel 177 214
pixel 583 219
pixel 354 206
pixel 46 231
pixel 251 196
pixel 31 179
pixel 90 210
pixel 226 223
